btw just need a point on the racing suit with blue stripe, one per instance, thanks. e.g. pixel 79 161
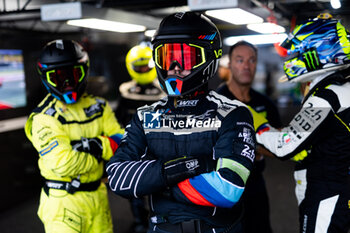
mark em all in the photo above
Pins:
pixel 52 127
pixel 206 125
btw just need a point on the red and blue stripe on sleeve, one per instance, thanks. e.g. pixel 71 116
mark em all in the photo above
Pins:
pixel 114 141
pixel 212 189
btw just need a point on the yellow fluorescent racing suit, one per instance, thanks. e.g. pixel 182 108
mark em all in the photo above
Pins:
pixel 51 128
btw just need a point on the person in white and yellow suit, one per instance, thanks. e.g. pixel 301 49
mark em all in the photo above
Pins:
pixel 74 133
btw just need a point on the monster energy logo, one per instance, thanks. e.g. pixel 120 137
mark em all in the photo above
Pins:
pixel 311 60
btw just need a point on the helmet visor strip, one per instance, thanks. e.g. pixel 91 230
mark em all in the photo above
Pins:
pixel 186 56
pixel 143 65
pixel 65 78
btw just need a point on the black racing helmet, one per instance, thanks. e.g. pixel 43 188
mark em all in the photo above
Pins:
pixel 63 66
pixel 190 41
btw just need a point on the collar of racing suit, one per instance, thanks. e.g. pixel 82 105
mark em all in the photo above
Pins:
pixel 338 77
pixel 194 97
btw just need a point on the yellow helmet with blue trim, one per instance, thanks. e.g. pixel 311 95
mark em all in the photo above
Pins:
pixel 140 65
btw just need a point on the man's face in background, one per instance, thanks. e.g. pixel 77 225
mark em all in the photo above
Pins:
pixel 242 64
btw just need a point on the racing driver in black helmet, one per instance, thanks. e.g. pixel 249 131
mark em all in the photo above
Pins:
pixel 74 133
pixel 192 151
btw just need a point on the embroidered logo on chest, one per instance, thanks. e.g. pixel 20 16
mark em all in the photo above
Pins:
pixel 93 109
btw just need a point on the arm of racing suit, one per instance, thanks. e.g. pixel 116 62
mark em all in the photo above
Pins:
pixel 55 151
pixel 102 146
pixel 290 140
pixel 112 133
pixel 128 175
pixel 234 151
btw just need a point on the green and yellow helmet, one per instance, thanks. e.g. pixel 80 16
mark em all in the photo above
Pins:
pixel 140 65
pixel 317 46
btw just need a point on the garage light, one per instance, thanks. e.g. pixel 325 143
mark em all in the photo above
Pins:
pixel 106 25
pixel 150 33
pixel 335 4
pixel 257 39
pixel 235 16
pixel 266 28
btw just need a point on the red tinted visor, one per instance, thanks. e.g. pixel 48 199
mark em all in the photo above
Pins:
pixel 186 56
pixel 65 78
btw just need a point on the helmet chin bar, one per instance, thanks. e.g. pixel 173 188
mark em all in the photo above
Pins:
pixel 70 97
pixel 173 85
pixel 309 76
